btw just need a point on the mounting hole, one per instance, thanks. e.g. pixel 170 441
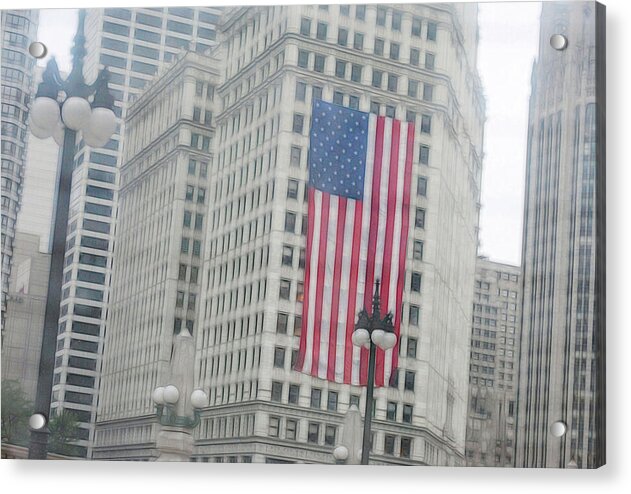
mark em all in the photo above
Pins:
pixel 37 49
pixel 37 421
pixel 558 42
pixel 558 428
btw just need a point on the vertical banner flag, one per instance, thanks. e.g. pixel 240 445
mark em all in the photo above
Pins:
pixel 360 168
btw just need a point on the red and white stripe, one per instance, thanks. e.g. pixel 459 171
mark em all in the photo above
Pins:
pixel 350 243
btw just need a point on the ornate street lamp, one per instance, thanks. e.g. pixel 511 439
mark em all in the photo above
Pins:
pixel 371 332
pixel 61 109
pixel 166 399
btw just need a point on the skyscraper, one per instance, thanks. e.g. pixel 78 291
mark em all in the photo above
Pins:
pixel 157 276
pixel 19 28
pixel 396 61
pixel 562 358
pixel 493 378
pixel 134 44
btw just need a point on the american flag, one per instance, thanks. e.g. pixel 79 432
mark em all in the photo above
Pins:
pixel 360 168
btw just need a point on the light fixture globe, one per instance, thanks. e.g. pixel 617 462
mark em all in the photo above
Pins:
pixel 389 340
pixel 377 337
pixel 76 113
pixel 360 337
pixel 171 394
pixel 94 141
pixel 41 132
pixel 102 123
pixel 44 113
pixel 199 399
pixel 58 133
pixel 340 453
pixel 158 395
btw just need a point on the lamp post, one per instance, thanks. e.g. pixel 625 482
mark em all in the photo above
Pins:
pixel 62 118
pixel 371 331
pixel 175 401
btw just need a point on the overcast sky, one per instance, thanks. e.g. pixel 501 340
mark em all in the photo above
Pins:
pixel 508 45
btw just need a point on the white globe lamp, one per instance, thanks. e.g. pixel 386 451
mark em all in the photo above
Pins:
pixel 360 337
pixel 389 340
pixel 199 399
pixel 340 453
pixel 158 395
pixel 76 113
pixel 377 337
pixel 102 123
pixel 44 113
pixel 171 394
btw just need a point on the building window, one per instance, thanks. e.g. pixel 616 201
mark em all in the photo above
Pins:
pixel 356 73
pixel 426 124
pixel 416 27
pixel 415 57
pixel 358 41
pixel 313 432
pixel 295 153
pixel 301 91
pixel 291 429
pixel 199 221
pixel 192 167
pixel 340 69
pixel 316 397
pixel 354 400
pixel 342 37
pixel 353 102
pixel 316 92
pixel 417 250
pixel 431 31
pixel 292 189
pixel 279 357
pixel 424 154
pixel 381 16
pixel 182 272
pixel 407 413
pixel 318 64
pixel 421 187
pixel 360 12
pixel 415 284
pixel 179 299
pixel 285 289
pixel 388 444
pixel 338 98
pixel 281 323
pixel 409 380
pixel 412 88
pixel 274 426
pixel 428 92
pixel 290 222
pixel 379 46
pixel 406 447
pixel 391 411
pixel 321 31
pixel 394 51
pixel 393 83
pixel 303 59
pixel 414 315
pixel 201 195
pixel 396 20
pixel 298 123
pixel 287 256
pixel 411 348
pixel 305 26
pixel 331 404
pixel 330 432
pixel 419 219
pixel 277 391
pixel 430 61
pixel 294 394
pixel 377 76
pixel 184 247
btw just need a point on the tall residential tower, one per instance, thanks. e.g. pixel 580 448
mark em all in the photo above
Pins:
pixel 19 29
pixel 134 44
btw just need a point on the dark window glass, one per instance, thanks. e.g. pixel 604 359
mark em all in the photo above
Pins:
pixel 431 31
pixel 143 68
pixel 313 433
pixel 331 403
pixel 294 393
pixel 342 37
pixel 114 44
pixel 305 26
pixel 411 348
pixel 407 414
pixel 426 124
pixel 424 154
pixel 394 51
pixel 415 56
pixel 303 59
pixel 279 357
pixel 149 36
pixel 379 45
pixel 421 186
pixel 85 328
pixel 409 380
pixel 87 311
pixel 415 284
pixel 316 398
pixel 428 92
pixel 388 444
pixel 277 391
pixel 91 276
pixel 416 27
pixel 318 64
pixel 93 260
pixel 148 20
pixel 391 411
pixel 180 27
pixel 321 31
pixel 98 209
pixel 330 432
pixel 406 447
pixel 358 41
pixel 429 61
pixel 147 52
pixel 111 27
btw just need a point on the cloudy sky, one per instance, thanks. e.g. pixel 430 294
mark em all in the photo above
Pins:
pixel 508 46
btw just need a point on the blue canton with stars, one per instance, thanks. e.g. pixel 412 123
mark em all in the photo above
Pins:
pixel 337 154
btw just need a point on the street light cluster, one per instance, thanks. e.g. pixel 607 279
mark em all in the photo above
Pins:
pixel 384 340
pixel 170 395
pixel 97 123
